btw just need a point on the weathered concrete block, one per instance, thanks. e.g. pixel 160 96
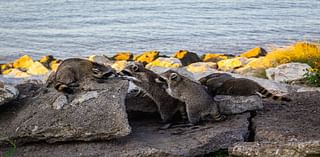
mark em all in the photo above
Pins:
pixel 96 112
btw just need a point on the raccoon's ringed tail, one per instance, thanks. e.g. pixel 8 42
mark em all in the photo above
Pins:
pixel 267 94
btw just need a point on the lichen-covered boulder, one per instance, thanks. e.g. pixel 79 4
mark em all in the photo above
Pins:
pixel 23 62
pixel 254 67
pixel 55 64
pixel 123 56
pixel 254 53
pixel 232 64
pixel 5 67
pixel 147 57
pixel 46 61
pixel 287 72
pixel 165 62
pixel 201 67
pixel 16 73
pixel 120 65
pixel 214 57
pixel 37 69
pixel 187 57
pixel 97 112
pixel 7 93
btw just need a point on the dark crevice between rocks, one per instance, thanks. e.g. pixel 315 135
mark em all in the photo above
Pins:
pixel 251 127
pixel 218 153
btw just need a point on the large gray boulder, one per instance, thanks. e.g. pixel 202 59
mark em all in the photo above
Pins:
pixel 287 72
pixel 147 140
pixel 238 104
pixel 7 93
pixel 96 112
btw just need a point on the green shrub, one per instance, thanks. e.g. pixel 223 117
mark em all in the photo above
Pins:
pixel 312 77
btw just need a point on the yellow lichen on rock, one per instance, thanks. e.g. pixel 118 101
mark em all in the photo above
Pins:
pixel 123 56
pixel 119 65
pixel 213 57
pixel 180 54
pixel 16 73
pixel 23 62
pixel 37 69
pixel 92 58
pixel 54 65
pixel 46 60
pixel 201 67
pixel 231 64
pixel 5 67
pixel 187 57
pixel 255 63
pixel 253 53
pixel 147 57
pixel 303 52
pixel 165 62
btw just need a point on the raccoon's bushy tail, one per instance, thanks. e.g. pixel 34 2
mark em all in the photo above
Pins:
pixel 267 94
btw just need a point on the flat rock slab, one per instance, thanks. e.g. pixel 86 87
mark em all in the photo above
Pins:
pixel 285 130
pixel 147 140
pixel 299 120
pixel 97 112
pixel 288 149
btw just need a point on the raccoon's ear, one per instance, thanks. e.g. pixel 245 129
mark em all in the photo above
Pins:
pixel 174 76
pixel 135 68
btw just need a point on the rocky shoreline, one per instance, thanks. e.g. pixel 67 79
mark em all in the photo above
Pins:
pixel 106 119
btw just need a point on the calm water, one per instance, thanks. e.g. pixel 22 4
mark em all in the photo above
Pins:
pixel 68 28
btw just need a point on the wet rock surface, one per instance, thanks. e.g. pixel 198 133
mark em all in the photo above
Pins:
pixel 147 140
pixel 96 112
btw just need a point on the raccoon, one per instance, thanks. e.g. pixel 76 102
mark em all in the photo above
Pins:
pixel 228 85
pixel 145 79
pixel 199 104
pixel 72 72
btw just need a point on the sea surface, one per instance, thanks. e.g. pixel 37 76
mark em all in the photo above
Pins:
pixel 68 28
